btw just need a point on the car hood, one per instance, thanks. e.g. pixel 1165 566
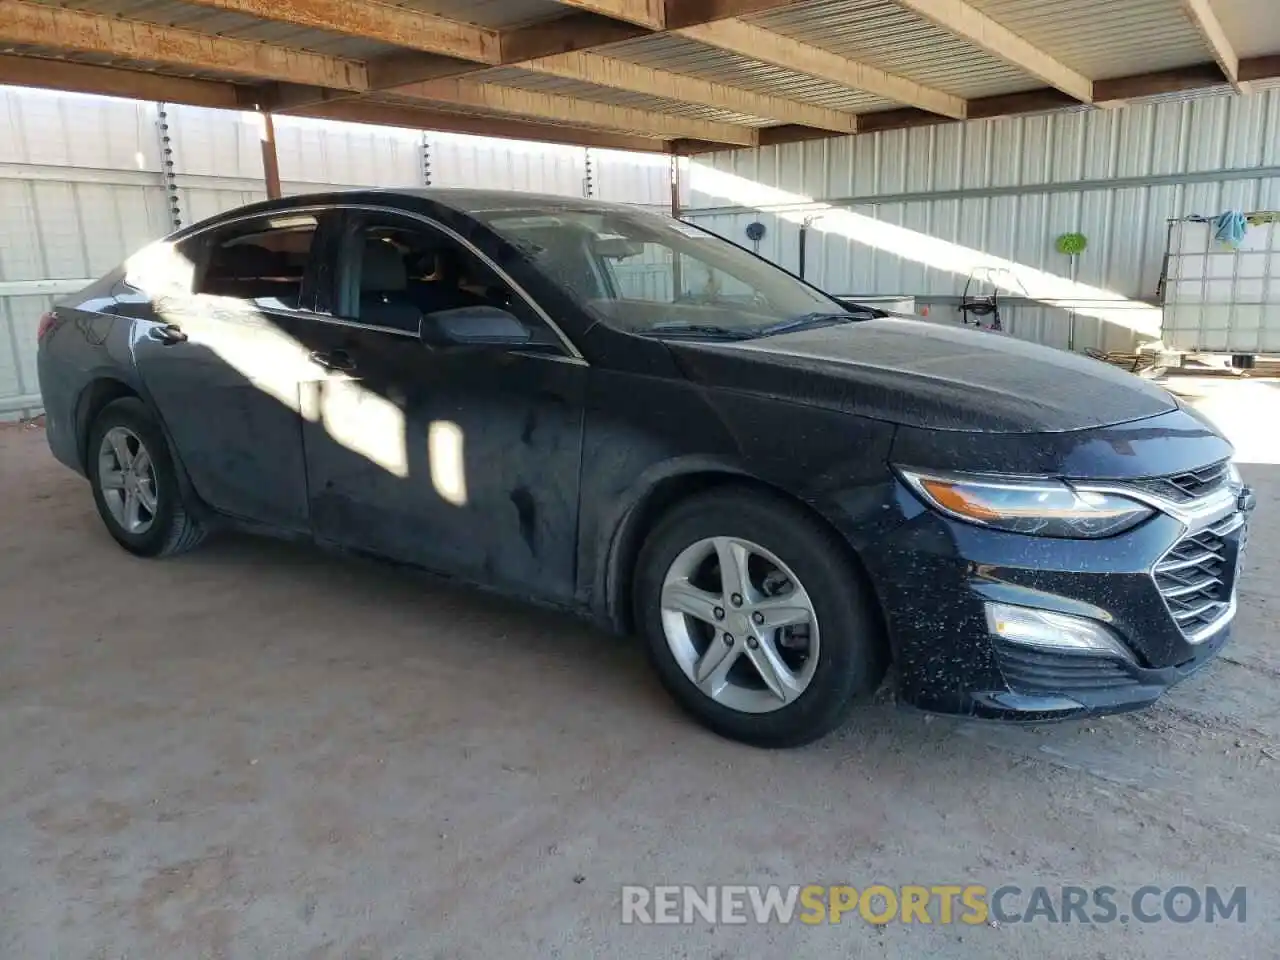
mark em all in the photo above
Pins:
pixel 927 375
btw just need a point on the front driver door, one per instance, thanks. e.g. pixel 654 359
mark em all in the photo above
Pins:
pixel 216 352
pixel 464 461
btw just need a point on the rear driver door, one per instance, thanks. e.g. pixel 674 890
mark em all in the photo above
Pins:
pixel 216 351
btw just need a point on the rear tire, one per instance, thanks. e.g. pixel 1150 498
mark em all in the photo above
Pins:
pixel 135 483
pixel 835 660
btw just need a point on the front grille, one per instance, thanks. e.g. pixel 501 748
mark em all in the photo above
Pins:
pixel 1194 577
pixel 1039 671
pixel 1187 486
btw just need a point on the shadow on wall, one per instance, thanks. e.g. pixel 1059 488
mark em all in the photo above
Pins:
pixel 1115 312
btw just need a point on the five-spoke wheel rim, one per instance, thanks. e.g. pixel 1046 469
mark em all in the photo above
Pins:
pixel 740 624
pixel 127 479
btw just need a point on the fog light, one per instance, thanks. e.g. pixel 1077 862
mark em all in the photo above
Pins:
pixel 1058 632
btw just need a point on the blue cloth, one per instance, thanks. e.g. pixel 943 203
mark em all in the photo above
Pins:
pixel 1229 228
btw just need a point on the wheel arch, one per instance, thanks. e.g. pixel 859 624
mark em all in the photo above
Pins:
pixel 655 498
pixel 93 398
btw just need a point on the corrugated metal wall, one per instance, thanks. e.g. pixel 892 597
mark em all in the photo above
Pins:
pixel 84 181
pixel 920 211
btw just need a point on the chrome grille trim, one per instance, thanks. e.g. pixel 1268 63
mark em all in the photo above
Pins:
pixel 1189 485
pixel 1192 577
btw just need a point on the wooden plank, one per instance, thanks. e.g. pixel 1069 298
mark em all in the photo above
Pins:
pixel 903 118
pixel 39 25
pixel 110 82
pixel 1026 101
pixel 969 23
pixel 748 40
pixel 571 110
pixel 401 26
pixel 1201 14
pixel 397 115
pixel 646 13
pixel 1260 68
pixel 792 133
pixel 1120 89
pixel 623 75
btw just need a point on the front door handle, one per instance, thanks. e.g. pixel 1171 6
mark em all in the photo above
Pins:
pixel 168 334
pixel 337 360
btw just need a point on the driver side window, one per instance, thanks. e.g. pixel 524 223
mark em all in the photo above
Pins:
pixel 401 270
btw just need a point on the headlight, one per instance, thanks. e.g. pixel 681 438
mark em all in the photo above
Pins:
pixel 1042 507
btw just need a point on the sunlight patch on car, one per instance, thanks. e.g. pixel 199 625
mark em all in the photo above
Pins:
pixel 365 423
pixel 448 465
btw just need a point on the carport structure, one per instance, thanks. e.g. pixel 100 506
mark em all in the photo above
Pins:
pixel 671 76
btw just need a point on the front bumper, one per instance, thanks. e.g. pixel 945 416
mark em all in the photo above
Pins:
pixel 935 576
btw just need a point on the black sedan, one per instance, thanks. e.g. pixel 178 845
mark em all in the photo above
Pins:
pixel 618 413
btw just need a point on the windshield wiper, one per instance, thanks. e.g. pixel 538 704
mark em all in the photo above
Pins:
pixel 818 320
pixel 708 331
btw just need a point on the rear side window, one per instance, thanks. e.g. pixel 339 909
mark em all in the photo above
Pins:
pixel 262 262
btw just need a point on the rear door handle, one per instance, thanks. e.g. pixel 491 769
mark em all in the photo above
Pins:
pixel 338 360
pixel 167 334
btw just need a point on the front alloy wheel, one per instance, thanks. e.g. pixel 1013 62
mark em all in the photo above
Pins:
pixel 740 624
pixel 729 592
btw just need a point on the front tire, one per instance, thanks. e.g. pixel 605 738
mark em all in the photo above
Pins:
pixel 135 483
pixel 755 618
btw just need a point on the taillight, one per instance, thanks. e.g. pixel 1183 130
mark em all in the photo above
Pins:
pixel 47 323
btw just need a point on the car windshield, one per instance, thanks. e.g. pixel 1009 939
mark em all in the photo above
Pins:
pixel 650 274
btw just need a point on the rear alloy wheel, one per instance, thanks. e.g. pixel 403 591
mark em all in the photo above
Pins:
pixel 127 478
pixel 756 619
pixel 135 482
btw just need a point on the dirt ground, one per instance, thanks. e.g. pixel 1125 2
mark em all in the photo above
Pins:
pixel 258 750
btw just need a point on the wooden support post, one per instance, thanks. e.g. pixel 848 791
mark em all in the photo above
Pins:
pixel 270 162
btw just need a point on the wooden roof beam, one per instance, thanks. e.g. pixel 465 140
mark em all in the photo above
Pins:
pixel 373 20
pixel 622 75
pixel 968 23
pixel 58 28
pixel 748 40
pixel 670 14
pixel 594 23
pixel 1201 14
pixel 645 13
pixel 111 82
pixel 574 111
pixel 415 118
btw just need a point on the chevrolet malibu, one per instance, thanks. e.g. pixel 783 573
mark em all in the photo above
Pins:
pixel 614 412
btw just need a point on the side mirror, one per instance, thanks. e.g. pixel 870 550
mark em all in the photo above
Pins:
pixel 473 326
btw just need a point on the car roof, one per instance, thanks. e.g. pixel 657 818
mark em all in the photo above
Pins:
pixel 461 199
